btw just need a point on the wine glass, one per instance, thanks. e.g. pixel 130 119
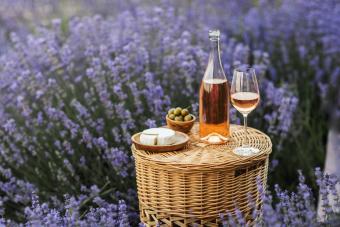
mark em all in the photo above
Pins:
pixel 244 97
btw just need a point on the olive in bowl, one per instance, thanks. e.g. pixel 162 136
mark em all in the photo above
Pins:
pixel 180 119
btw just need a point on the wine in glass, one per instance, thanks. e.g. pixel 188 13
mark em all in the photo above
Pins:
pixel 244 97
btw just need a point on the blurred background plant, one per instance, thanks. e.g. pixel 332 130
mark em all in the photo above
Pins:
pixel 78 78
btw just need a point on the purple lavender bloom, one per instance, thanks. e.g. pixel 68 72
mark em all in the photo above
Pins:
pixel 151 123
pixel 10 126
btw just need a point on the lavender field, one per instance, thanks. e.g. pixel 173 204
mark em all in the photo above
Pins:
pixel 78 78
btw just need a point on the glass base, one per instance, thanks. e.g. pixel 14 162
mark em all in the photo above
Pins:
pixel 246 151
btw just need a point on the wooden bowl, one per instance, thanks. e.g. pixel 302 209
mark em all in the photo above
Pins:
pixel 182 126
pixel 181 140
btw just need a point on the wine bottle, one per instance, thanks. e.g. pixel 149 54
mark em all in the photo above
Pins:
pixel 214 97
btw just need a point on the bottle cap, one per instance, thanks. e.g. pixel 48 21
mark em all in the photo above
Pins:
pixel 214 34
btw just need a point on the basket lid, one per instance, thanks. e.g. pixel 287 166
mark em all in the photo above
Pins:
pixel 200 154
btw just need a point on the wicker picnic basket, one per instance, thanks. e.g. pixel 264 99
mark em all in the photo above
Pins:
pixel 194 186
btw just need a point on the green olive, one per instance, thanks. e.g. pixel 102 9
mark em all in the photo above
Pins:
pixel 171 116
pixel 188 118
pixel 171 111
pixel 178 111
pixel 179 118
pixel 184 112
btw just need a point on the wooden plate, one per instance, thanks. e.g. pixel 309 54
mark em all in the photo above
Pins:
pixel 181 138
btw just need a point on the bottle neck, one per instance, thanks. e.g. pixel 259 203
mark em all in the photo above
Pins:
pixel 214 68
pixel 215 51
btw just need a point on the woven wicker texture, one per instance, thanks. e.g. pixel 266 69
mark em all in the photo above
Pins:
pixel 195 185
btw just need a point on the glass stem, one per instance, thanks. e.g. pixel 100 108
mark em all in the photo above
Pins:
pixel 245 142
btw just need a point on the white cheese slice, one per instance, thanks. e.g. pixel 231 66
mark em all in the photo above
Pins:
pixel 157 136
pixel 166 137
pixel 148 139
